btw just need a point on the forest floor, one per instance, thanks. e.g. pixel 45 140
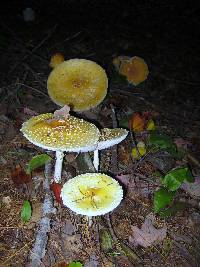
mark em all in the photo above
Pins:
pixel 170 94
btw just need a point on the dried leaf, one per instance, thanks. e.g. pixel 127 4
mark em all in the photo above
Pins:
pixel 19 176
pixel 63 112
pixel 139 121
pixel 56 188
pixel 61 264
pixel 148 234
pixel 136 187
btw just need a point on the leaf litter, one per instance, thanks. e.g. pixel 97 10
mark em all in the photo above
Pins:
pixel 70 239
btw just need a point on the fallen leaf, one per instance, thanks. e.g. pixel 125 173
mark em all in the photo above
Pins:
pixel 140 151
pixel 63 112
pixel 26 211
pixel 56 188
pixel 19 176
pixel 61 264
pixel 148 234
pixel 138 122
pixel 150 125
pixel 37 161
pixel 136 187
pixel 75 264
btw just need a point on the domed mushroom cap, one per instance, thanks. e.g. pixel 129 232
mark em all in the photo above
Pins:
pixel 79 83
pixel 56 59
pixel 111 137
pixel 92 194
pixel 69 134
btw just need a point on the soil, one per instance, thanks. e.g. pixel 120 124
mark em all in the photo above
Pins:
pixel 166 36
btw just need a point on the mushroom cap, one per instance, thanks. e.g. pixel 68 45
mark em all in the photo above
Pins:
pixel 92 194
pixel 63 134
pixel 111 137
pixel 135 69
pixel 79 83
pixel 56 59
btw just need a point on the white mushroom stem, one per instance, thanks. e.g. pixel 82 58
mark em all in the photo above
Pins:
pixel 90 221
pixel 58 166
pixel 96 159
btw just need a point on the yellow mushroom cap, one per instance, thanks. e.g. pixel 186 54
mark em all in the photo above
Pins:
pixel 56 59
pixel 92 194
pixel 135 69
pixel 111 137
pixel 79 83
pixel 64 134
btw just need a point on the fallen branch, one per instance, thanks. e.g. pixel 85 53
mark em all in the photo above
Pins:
pixel 39 248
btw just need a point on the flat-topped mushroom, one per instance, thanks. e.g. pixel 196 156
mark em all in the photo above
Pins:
pixel 92 194
pixel 61 134
pixel 80 83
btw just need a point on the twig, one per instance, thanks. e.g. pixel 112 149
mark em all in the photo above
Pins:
pixel 35 89
pixel 34 49
pixel 114 168
pixel 193 159
pixel 39 248
pixel 35 75
pixel 66 39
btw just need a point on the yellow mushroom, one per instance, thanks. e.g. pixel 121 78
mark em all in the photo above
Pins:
pixel 135 69
pixel 80 83
pixel 56 59
pixel 92 194
pixel 61 134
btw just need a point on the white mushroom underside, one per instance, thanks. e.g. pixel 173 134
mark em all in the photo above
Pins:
pixel 66 149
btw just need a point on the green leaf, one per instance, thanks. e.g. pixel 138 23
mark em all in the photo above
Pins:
pixel 161 140
pixel 26 211
pixel 75 264
pixel 172 210
pixel 37 162
pixel 174 179
pixel 162 198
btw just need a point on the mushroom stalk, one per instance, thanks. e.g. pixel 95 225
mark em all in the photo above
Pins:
pixel 96 159
pixel 90 221
pixel 58 166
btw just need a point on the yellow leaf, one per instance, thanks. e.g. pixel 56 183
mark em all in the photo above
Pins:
pixel 150 125
pixel 141 149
